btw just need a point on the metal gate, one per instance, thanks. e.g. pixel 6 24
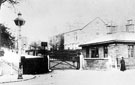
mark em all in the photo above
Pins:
pixel 64 60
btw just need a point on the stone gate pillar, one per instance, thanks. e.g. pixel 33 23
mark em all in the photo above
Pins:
pixel 81 62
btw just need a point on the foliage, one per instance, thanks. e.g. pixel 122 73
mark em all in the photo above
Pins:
pixel 12 2
pixel 9 1
pixel 57 42
pixel 35 45
pixel 6 38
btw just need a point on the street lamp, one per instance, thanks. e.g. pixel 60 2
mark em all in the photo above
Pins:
pixel 19 22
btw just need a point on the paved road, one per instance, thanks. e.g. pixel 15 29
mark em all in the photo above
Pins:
pixel 76 77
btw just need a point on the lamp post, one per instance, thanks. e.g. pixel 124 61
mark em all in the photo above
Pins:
pixel 19 22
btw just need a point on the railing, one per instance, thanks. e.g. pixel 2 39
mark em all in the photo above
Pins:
pixel 95 58
pixel 64 55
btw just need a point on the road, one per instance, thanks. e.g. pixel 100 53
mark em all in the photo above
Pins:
pixel 85 77
pixel 75 77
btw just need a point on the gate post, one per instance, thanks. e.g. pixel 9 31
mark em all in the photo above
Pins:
pixel 81 62
pixel 78 60
pixel 20 71
pixel 49 63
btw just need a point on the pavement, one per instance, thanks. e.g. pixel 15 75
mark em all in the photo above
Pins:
pixel 9 69
pixel 14 78
pixel 9 73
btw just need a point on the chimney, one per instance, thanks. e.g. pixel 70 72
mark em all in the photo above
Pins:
pixel 130 21
pixel 130 26
pixel 111 29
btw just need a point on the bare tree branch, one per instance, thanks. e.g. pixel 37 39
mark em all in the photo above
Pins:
pixel 9 1
pixel 2 1
pixel 13 2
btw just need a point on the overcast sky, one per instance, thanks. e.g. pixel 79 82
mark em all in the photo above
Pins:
pixel 45 18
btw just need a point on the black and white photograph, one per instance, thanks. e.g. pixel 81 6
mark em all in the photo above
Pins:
pixel 67 42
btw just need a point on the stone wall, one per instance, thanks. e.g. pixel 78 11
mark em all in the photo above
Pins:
pixel 130 63
pixel 95 64
pixel 118 50
pixel 115 52
pixel 99 64
pixel 121 50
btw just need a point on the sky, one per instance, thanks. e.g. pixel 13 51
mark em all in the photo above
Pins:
pixel 46 18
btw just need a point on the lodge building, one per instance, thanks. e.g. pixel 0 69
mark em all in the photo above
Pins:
pixel 98 52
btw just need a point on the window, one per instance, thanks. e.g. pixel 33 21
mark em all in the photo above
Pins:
pixel 105 51
pixel 130 28
pixel 87 52
pixel 94 52
pixel 111 29
pixel 130 50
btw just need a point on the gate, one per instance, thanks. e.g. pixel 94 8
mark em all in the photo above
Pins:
pixel 64 60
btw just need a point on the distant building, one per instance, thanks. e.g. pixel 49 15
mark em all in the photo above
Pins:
pixel 72 39
pixel 57 42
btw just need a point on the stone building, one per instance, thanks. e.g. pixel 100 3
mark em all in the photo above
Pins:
pixel 98 52
pixel 106 51
pixel 56 42
pixel 72 39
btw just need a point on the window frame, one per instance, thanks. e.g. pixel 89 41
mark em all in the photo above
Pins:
pixel 130 51
pixel 94 52
pixel 105 48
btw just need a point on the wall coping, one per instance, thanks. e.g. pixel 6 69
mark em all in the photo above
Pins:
pixel 96 58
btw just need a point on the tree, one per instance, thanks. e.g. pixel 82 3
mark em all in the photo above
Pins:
pixel 57 42
pixel 35 45
pixel 12 2
pixel 6 38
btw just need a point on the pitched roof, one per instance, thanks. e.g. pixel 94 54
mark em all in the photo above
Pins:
pixel 97 18
pixel 111 38
pixel 93 21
